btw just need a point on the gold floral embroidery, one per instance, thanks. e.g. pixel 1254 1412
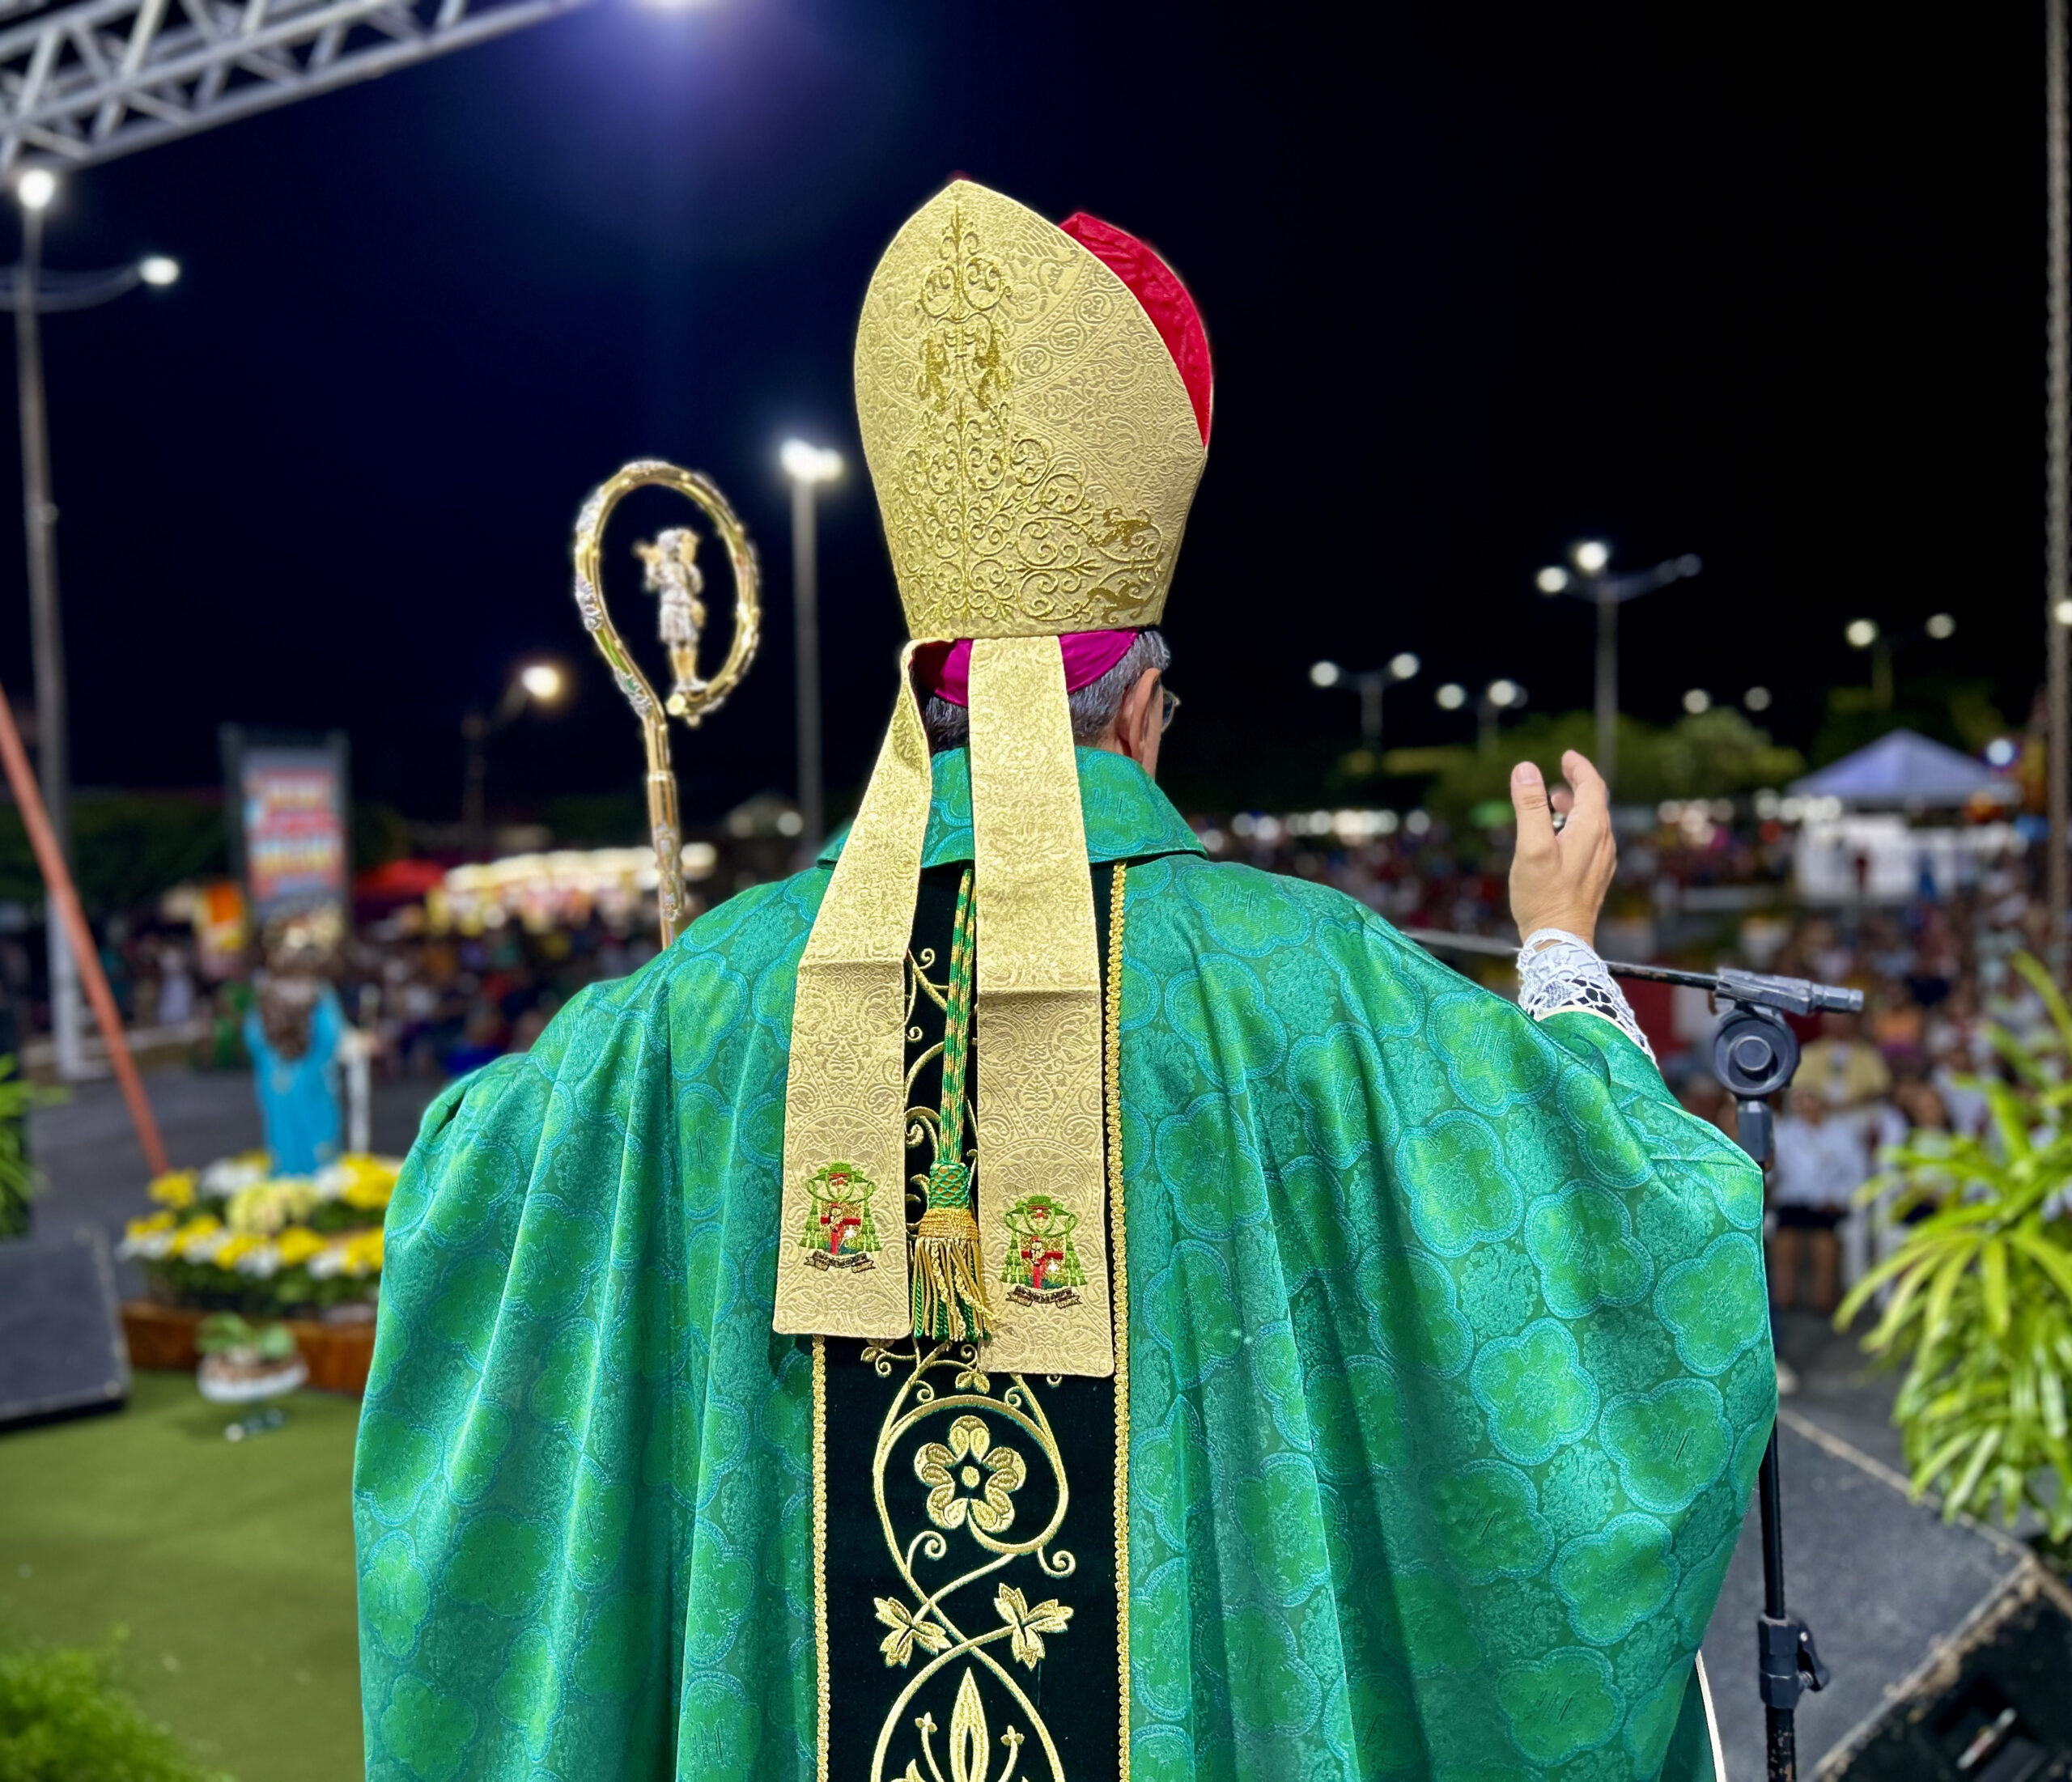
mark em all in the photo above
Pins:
pixel 970 1450
pixel 972 1476
pixel 1026 1626
pixel 907 1632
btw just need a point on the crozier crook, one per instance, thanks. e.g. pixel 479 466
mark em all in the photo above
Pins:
pixel 672 572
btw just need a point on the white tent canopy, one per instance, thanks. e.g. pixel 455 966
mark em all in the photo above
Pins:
pixel 1904 768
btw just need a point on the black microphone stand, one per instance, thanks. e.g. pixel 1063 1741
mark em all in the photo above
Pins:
pixel 1755 1056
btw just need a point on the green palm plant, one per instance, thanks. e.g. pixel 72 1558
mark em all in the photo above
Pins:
pixel 20 1179
pixel 1980 1305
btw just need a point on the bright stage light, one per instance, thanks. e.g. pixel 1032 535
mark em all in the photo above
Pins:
pixel 1591 555
pixel 37 187
pixel 806 463
pixel 2062 612
pixel 2002 752
pixel 1861 634
pixel 1324 674
pixel 1552 579
pixel 1757 699
pixel 1697 700
pixel 1505 692
pixel 542 680
pixel 1451 697
pixel 158 269
pixel 1404 665
pixel 1941 626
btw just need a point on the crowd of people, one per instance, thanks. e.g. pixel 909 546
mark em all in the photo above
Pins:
pixel 1698 888
pixel 1701 889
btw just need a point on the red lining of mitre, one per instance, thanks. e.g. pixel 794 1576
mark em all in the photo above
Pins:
pixel 1166 300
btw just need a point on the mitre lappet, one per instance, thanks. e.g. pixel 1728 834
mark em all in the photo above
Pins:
pixel 1034 400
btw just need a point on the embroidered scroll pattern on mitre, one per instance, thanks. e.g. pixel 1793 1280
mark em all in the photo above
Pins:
pixel 1030 438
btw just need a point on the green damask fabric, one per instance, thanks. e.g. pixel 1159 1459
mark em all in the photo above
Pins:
pixel 1449 1366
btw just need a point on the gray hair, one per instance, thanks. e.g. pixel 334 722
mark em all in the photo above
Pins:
pixel 1094 707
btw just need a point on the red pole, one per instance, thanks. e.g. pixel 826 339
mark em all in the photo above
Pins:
pixel 57 882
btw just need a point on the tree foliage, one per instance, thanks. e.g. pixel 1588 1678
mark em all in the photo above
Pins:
pixel 129 847
pixel 1714 754
pixel 1981 1291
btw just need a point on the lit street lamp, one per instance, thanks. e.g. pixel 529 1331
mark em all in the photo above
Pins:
pixel 1498 697
pixel 537 683
pixel 1867 634
pixel 1371 683
pixel 808 466
pixel 32 293
pixel 1588 581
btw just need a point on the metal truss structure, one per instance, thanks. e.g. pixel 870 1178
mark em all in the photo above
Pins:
pixel 88 81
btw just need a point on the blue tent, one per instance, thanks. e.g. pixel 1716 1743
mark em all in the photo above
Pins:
pixel 1903 768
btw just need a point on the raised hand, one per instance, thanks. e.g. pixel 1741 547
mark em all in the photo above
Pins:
pixel 1558 878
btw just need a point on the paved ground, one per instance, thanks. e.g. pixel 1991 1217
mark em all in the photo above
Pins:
pixel 1876 1578
pixel 88 1149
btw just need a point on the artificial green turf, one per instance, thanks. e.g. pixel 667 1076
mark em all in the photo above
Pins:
pixel 230 1562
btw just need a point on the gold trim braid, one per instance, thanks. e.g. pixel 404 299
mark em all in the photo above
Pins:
pixel 1040 1178
pixel 1119 1273
pixel 845 1095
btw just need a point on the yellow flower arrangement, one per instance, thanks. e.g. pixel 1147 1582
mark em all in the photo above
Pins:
pixel 370 1181
pixel 265 1207
pixel 200 1226
pixel 297 1244
pixel 175 1188
pixel 236 1230
pixel 239 1244
pixel 363 1253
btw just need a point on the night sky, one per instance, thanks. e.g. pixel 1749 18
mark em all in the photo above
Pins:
pixel 1756 283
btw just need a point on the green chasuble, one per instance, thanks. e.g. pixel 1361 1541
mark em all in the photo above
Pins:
pixel 1447 1375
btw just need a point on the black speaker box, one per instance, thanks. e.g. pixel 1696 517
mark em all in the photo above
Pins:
pixel 1994 1704
pixel 1893 1595
pixel 61 1336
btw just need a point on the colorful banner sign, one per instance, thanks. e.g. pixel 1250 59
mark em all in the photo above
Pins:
pixel 292 834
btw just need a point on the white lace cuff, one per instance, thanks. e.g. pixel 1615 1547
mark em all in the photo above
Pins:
pixel 1567 977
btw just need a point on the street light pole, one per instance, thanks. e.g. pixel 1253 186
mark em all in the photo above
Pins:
pixel 1590 581
pixel 540 683
pixel 38 518
pixel 29 291
pixel 806 613
pixel 2057 466
pixel 1497 697
pixel 808 466
pixel 1371 685
pixel 1608 684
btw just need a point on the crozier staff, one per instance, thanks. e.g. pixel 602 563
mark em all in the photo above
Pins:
pixel 1257 1351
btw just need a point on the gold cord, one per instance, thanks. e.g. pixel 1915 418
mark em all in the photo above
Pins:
pixel 1119 1273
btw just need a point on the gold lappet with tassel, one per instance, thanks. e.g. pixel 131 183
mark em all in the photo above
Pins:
pixel 1034 452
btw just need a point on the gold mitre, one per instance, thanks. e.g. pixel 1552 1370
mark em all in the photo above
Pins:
pixel 1032 443
pixel 1034 447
